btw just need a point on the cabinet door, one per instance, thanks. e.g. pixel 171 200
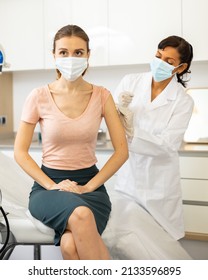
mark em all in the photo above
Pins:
pixel 195 26
pixel 21 29
pixel 90 15
pixel 195 218
pixel 56 15
pixel 193 167
pixel 137 26
pixel 195 190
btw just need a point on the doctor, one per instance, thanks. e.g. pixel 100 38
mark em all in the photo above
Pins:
pixel 161 112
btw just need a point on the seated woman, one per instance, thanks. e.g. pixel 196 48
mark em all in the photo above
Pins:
pixel 140 237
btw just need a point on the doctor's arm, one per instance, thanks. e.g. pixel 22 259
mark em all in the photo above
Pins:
pixel 170 139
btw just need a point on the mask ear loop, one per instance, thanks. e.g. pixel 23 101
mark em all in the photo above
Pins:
pixel 176 68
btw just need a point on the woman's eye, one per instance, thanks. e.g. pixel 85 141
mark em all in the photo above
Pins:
pixel 78 53
pixel 63 53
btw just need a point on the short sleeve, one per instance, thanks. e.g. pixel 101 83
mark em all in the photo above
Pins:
pixel 105 94
pixel 30 112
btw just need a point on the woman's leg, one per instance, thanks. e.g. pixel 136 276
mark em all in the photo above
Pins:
pixel 88 242
pixel 68 247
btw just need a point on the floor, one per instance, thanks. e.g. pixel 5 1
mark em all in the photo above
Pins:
pixel 198 250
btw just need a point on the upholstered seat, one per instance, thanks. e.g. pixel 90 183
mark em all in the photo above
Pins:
pixel 131 233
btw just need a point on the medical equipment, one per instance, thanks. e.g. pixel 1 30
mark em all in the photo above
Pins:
pixel 3 227
pixel 3 62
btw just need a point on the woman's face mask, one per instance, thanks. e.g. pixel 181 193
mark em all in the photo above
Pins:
pixel 161 70
pixel 71 67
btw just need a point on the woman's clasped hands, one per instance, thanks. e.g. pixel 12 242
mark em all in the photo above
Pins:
pixel 70 186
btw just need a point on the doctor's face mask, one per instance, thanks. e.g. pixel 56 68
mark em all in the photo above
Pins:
pixel 161 70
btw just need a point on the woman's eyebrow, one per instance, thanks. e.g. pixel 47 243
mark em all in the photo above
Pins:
pixel 81 49
pixel 62 49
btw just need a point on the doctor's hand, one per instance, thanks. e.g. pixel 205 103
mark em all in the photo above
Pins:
pixel 125 99
pixel 125 114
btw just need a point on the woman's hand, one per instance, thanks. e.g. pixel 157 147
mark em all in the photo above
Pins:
pixel 71 186
pixel 67 186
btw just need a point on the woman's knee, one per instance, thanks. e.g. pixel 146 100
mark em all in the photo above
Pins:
pixel 81 215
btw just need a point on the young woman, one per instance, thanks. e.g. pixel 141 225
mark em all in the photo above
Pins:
pixel 156 112
pixel 68 194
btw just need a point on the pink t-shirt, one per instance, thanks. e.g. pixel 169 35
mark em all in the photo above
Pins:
pixel 67 144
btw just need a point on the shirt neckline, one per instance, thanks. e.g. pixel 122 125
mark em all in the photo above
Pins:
pixel 61 113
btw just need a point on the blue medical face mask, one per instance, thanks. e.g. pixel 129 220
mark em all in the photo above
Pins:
pixel 161 70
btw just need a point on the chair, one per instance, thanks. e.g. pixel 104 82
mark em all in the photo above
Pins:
pixel 15 187
pixel 23 232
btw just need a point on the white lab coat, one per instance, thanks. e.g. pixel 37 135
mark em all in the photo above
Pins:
pixel 151 175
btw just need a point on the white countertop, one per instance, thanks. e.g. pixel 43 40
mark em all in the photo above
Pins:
pixel 8 143
pixel 186 149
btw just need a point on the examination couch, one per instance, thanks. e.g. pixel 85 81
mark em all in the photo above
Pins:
pixel 131 233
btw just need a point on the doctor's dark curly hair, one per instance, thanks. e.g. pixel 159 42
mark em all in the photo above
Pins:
pixel 185 51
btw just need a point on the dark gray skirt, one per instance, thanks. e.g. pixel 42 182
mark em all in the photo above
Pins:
pixel 54 207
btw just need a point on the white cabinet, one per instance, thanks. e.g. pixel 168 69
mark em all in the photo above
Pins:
pixel 56 15
pixel 195 26
pixel 121 32
pixel 21 33
pixel 90 15
pixel 137 26
pixel 194 182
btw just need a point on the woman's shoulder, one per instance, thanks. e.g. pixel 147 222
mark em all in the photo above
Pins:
pixel 99 88
pixel 101 95
pixel 101 91
pixel 39 92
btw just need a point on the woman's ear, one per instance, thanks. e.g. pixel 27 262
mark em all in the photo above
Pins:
pixel 182 68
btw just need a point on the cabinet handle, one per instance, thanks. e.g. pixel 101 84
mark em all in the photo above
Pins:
pixel 195 202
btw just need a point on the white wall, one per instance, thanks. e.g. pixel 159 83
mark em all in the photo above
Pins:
pixel 24 82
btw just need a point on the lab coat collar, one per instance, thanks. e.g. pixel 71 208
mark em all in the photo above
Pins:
pixel 171 89
pixel 168 94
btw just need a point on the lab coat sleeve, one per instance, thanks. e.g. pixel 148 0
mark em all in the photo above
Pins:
pixel 170 139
